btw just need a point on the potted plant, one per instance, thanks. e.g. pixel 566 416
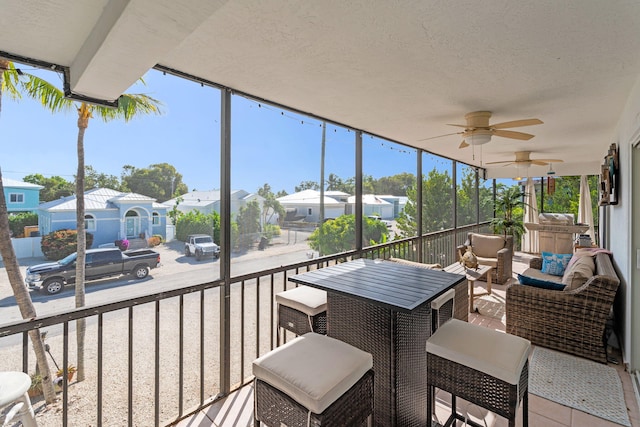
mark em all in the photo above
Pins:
pixel 71 370
pixel 123 244
pixel 508 202
pixel 36 385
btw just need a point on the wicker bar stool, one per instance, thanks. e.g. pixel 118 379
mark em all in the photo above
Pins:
pixel 313 380
pixel 483 366
pixel 302 310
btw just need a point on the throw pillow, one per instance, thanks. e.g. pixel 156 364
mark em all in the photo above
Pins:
pixel 540 283
pixel 580 271
pixel 555 264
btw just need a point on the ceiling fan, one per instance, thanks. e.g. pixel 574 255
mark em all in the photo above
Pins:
pixel 523 159
pixel 478 131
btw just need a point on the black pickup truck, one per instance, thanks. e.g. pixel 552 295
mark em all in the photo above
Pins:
pixel 51 277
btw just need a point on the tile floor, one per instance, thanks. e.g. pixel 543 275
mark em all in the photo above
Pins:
pixel 236 409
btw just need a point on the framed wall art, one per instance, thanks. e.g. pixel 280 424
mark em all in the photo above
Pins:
pixel 610 177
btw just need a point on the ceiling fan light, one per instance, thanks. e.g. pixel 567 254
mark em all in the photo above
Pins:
pixel 478 138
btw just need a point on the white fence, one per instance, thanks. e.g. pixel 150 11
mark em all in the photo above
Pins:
pixel 27 247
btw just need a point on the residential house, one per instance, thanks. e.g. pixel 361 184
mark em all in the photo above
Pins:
pixel 21 196
pixel 209 201
pixel 305 206
pixel 373 205
pixel 109 215
pixel 398 202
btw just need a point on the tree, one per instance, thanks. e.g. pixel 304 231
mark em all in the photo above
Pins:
pixel 270 206
pixel 94 179
pixel 159 181
pixel 129 106
pixel 397 185
pixel 307 185
pixel 174 213
pixel 11 82
pixel 334 183
pixel 509 211
pixel 248 221
pixel 466 198
pixel 54 187
pixel 339 235
pixel 437 205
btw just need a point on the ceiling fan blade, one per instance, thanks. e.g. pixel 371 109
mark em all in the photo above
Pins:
pixel 440 136
pixel 505 163
pixel 516 123
pixel 463 144
pixel 460 126
pixel 539 162
pixel 513 134
pixel 549 160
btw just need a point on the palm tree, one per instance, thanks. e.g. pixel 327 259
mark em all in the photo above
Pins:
pixel 129 105
pixel 507 202
pixel 10 79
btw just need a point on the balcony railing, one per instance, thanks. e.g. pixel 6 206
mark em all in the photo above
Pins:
pixel 165 348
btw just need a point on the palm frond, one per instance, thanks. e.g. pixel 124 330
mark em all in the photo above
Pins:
pixel 50 96
pixel 10 80
pixel 129 105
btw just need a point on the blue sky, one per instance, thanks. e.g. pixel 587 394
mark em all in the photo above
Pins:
pixel 269 144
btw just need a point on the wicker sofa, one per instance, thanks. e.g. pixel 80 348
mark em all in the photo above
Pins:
pixel 494 250
pixel 572 321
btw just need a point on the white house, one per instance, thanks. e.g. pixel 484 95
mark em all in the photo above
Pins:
pixel 374 205
pixel 209 201
pixel 305 206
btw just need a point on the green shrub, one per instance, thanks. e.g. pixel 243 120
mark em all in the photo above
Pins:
pixel 17 222
pixel 60 243
pixel 271 230
pixel 195 222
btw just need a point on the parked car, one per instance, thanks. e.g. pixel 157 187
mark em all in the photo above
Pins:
pixel 386 222
pixel 202 246
pixel 51 277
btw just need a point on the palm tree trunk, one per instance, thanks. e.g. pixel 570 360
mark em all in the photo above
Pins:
pixel 23 299
pixel 83 120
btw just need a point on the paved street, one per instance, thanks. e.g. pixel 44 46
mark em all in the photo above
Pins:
pixel 177 270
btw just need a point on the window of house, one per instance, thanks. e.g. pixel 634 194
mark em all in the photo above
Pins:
pixel 309 211
pixel 16 198
pixel 89 223
pixel 155 218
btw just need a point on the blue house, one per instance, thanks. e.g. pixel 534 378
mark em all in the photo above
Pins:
pixel 109 215
pixel 21 196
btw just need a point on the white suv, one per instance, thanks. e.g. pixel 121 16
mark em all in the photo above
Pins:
pixel 202 246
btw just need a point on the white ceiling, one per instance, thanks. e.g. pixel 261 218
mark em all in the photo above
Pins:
pixel 398 69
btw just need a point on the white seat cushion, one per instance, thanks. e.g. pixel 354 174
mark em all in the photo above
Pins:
pixel 492 262
pixel 310 301
pixel 313 369
pixel 495 353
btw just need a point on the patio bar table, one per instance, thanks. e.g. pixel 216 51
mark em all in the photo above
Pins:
pixel 384 308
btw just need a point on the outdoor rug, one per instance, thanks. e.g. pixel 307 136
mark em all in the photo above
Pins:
pixel 581 384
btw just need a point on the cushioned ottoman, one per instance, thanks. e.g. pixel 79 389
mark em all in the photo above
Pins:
pixel 302 310
pixel 483 366
pixel 313 380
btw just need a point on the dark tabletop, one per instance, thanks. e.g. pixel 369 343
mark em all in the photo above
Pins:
pixel 398 286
